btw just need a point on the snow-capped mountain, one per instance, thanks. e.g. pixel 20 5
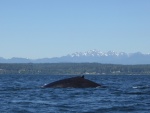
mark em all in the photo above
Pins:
pixel 110 57
pixel 98 53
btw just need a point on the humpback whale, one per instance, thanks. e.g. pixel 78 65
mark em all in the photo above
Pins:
pixel 74 82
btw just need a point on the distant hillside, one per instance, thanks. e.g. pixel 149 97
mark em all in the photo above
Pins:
pixel 73 69
pixel 110 57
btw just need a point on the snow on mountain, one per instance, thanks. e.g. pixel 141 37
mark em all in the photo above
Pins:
pixel 98 53
pixel 110 57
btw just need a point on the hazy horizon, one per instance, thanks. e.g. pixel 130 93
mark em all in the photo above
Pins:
pixel 45 29
pixel 77 52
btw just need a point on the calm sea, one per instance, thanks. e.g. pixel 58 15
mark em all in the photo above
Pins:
pixel 23 94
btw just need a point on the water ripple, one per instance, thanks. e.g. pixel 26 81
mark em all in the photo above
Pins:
pixel 122 94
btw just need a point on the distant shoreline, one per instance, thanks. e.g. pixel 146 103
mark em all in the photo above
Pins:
pixel 72 69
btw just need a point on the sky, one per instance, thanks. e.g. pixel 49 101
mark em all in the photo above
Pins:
pixel 53 28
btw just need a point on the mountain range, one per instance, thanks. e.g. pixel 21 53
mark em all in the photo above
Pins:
pixel 110 57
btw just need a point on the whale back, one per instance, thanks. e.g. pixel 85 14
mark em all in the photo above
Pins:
pixel 74 82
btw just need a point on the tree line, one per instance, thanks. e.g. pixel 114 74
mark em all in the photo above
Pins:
pixel 72 68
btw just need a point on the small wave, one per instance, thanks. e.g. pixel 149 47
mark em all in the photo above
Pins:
pixel 31 101
pixel 128 108
pixel 136 93
pixel 15 89
pixel 141 87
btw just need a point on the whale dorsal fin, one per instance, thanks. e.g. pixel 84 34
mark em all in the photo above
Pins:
pixel 82 76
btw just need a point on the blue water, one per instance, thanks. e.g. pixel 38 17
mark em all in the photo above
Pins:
pixel 23 94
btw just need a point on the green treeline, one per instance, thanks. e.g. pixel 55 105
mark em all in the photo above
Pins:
pixel 73 68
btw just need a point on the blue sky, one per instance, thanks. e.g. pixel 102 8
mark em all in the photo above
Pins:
pixel 53 28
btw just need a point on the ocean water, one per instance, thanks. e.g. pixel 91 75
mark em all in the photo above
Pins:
pixel 122 94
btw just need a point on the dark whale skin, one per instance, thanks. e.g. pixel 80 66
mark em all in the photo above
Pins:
pixel 74 82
